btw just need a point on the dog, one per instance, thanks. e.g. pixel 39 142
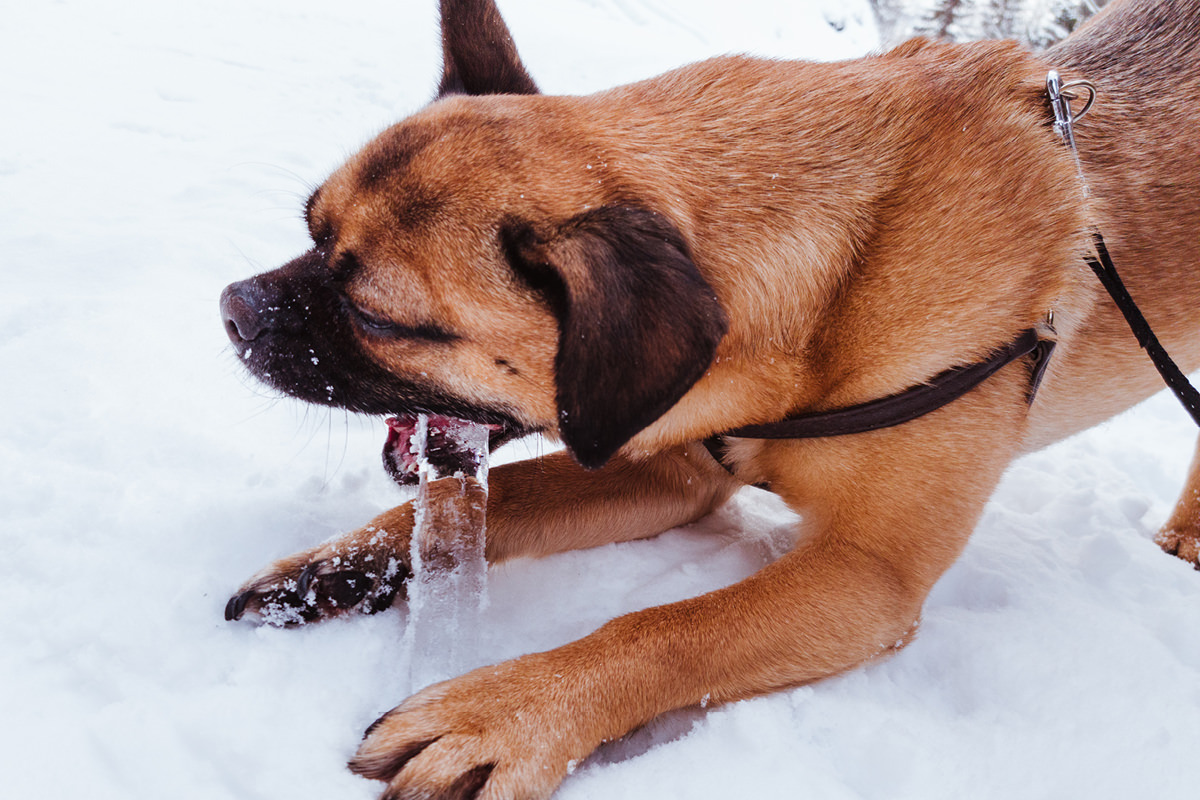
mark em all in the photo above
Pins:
pixel 641 271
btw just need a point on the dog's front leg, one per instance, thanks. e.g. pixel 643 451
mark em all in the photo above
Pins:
pixel 535 508
pixel 889 513
pixel 516 729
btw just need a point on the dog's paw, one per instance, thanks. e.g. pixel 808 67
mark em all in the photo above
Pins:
pixel 362 571
pixel 509 731
pixel 1181 544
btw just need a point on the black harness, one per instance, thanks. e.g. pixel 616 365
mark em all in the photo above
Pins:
pixel 952 384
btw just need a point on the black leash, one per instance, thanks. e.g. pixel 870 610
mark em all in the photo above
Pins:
pixel 1176 381
pixel 1102 263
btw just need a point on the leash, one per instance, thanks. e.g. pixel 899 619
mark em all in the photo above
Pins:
pixel 1101 262
pixel 952 384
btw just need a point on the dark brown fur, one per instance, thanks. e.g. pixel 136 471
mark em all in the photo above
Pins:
pixel 727 244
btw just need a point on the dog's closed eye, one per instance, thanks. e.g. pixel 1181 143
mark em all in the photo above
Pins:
pixel 374 324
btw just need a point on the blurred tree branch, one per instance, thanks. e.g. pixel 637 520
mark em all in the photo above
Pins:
pixel 1038 23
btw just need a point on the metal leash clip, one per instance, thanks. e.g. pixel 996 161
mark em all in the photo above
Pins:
pixel 1061 95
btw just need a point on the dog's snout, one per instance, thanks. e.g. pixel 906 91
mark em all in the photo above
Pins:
pixel 242 313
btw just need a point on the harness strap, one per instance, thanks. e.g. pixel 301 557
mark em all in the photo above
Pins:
pixel 897 409
pixel 906 406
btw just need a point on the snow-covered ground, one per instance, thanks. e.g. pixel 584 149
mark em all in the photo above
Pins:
pixel 151 152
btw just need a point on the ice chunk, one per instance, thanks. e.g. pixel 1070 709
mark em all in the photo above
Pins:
pixel 448 589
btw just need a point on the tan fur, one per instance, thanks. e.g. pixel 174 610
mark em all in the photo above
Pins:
pixel 864 225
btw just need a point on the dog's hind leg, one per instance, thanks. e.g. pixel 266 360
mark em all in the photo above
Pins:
pixel 1181 535
pixel 535 508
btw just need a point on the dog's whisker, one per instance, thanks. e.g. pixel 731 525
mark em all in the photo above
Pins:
pixel 279 169
pixel 252 263
pixel 345 438
pixel 328 446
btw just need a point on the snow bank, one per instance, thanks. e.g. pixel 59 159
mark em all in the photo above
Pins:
pixel 152 153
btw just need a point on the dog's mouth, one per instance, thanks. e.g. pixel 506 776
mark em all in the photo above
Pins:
pixel 444 449
pixel 290 330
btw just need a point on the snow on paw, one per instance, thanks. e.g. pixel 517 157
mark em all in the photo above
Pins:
pixel 497 732
pixel 362 571
pixel 319 589
pixel 1181 544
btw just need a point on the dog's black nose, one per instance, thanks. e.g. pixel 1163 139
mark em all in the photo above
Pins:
pixel 241 312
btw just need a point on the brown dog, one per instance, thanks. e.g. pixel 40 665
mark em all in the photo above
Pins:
pixel 637 271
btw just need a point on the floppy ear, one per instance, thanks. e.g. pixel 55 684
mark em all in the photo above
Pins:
pixel 638 324
pixel 478 54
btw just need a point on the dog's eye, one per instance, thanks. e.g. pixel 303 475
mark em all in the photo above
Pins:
pixel 369 320
pixel 376 325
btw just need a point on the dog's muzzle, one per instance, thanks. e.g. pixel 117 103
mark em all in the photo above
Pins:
pixel 287 330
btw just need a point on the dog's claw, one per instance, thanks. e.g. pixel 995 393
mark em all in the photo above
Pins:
pixel 375 725
pixel 236 606
pixel 304 581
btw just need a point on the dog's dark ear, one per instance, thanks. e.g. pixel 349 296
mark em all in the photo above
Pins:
pixel 638 324
pixel 478 53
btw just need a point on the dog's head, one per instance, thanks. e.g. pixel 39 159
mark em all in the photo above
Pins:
pixel 466 263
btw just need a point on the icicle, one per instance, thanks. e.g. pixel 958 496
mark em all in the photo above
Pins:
pixel 448 589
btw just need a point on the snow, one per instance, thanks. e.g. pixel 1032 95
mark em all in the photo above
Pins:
pixel 153 152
